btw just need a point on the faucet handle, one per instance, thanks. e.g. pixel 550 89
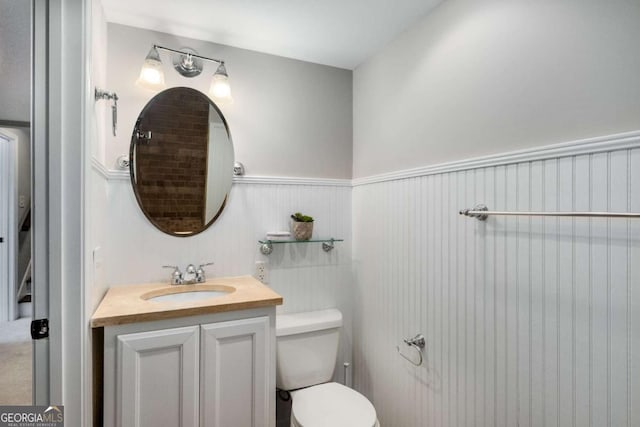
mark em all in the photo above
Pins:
pixel 176 276
pixel 200 272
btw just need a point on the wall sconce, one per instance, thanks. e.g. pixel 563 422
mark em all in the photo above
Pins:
pixel 187 63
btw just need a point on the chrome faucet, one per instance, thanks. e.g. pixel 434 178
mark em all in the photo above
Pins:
pixel 190 276
pixel 176 276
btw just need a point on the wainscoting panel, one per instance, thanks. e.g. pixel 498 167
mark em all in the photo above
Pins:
pixel 307 277
pixel 136 250
pixel 528 321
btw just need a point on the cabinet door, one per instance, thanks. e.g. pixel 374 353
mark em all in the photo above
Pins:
pixel 157 378
pixel 235 373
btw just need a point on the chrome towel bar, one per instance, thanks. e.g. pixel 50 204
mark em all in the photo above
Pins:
pixel 417 343
pixel 481 212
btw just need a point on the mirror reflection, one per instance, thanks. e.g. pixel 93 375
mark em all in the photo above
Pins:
pixel 181 161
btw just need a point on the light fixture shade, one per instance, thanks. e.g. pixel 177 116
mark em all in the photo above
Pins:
pixel 151 75
pixel 220 90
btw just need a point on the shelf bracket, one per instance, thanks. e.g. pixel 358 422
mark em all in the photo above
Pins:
pixel 266 248
pixel 327 246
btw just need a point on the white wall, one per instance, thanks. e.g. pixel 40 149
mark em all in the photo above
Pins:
pixel 528 321
pixel 23 188
pixel 307 277
pixel 100 129
pixel 95 191
pixel 15 62
pixel 480 77
pixel 288 118
pixel 23 167
pixel 137 250
pixel 101 109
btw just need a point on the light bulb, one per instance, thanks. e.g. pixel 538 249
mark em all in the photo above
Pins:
pixel 151 75
pixel 220 88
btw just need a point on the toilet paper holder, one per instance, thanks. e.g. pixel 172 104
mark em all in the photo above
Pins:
pixel 417 343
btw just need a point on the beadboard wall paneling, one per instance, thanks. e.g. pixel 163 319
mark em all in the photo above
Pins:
pixel 528 321
pixel 307 277
pixel 137 250
pixel 96 236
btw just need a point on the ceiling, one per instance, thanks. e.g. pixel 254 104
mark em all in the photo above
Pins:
pixel 340 33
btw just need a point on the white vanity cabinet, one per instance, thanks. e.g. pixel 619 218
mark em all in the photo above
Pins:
pixel 213 370
pixel 157 378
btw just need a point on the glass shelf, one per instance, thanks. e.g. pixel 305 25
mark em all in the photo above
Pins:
pixel 266 245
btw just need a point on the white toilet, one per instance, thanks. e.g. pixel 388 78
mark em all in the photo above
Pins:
pixel 307 347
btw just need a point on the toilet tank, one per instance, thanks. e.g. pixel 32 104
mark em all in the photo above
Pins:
pixel 306 348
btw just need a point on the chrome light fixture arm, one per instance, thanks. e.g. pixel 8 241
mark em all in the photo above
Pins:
pixel 187 54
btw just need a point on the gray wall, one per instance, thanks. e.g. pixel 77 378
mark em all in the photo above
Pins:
pixel 288 118
pixel 15 63
pixel 474 78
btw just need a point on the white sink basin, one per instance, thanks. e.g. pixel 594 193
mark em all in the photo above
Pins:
pixel 188 296
pixel 187 293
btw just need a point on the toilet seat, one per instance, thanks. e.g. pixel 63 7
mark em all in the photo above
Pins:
pixel 331 405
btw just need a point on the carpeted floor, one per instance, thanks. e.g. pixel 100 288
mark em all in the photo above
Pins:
pixel 15 363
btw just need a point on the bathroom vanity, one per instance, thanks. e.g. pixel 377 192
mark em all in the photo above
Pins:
pixel 170 359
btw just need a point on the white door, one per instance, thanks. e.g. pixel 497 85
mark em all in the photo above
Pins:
pixel 157 378
pixel 235 389
pixel 60 105
pixel 5 203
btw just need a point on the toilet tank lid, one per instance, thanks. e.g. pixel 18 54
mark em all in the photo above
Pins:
pixel 298 323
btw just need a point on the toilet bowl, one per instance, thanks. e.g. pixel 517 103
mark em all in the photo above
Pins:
pixel 306 353
pixel 331 405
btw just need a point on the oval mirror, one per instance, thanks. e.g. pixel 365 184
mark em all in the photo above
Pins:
pixel 181 161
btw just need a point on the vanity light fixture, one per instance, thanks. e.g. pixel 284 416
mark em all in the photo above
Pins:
pixel 187 63
pixel 151 75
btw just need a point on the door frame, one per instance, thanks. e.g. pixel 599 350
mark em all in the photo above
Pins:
pixel 60 98
pixel 46 352
pixel 10 305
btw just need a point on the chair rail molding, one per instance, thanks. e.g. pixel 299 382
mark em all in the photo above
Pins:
pixel 614 142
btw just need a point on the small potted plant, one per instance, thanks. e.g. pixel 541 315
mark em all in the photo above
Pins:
pixel 301 226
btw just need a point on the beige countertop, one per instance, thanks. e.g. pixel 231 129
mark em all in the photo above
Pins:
pixel 127 304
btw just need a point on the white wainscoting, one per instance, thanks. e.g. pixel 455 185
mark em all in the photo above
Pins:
pixel 304 274
pixel 528 321
pixel 307 277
